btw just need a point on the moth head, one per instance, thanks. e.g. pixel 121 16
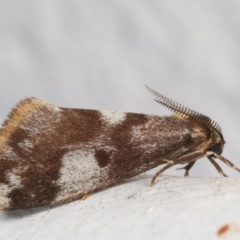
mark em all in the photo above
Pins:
pixel 217 148
pixel 214 130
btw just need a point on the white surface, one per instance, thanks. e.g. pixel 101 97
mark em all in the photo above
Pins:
pixel 175 208
pixel 99 54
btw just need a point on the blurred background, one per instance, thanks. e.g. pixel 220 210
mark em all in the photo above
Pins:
pixel 99 54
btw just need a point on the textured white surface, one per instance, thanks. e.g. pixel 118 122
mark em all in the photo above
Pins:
pixel 175 208
pixel 99 54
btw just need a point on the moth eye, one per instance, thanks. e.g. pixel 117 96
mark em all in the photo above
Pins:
pixel 216 148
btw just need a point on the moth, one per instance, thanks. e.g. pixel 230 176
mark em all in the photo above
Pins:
pixel 51 155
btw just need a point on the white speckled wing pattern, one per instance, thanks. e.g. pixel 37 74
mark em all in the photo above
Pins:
pixel 51 155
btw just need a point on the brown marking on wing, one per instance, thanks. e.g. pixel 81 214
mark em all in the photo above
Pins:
pixel 42 164
pixel 127 154
pixel 170 138
pixel 38 184
pixel 79 125
pixel 102 157
pixel 50 132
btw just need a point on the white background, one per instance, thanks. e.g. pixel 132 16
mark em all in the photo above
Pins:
pixel 99 54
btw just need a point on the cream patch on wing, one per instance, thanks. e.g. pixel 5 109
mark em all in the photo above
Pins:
pixel 26 144
pixel 148 135
pixel 112 118
pixel 14 181
pixel 37 122
pixel 10 155
pixel 79 174
pixel 142 132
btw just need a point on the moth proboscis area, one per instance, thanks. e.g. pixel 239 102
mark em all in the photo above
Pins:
pixel 52 155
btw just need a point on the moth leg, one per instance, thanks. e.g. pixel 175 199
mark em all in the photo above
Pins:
pixel 220 171
pixel 227 162
pixel 86 196
pixel 188 158
pixel 187 168
pixel 168 161
pixel 160 171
